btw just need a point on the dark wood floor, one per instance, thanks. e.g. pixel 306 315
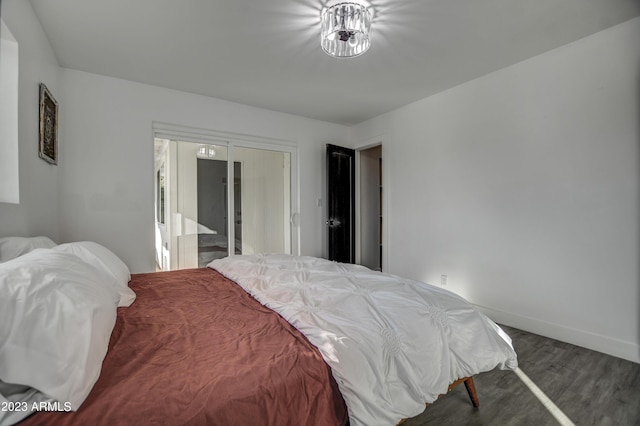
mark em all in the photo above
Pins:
pixel 590 388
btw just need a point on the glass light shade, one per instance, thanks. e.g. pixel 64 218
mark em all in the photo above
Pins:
pixel 206 151
pixel 346 29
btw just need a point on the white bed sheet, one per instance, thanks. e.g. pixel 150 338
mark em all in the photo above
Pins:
pixel 393 344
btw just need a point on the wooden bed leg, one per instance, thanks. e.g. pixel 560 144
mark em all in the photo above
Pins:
pixel 471 389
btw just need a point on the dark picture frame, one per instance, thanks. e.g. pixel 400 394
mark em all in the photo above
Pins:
pixel 48 140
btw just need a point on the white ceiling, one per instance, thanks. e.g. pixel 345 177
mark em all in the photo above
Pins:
pixel 267 53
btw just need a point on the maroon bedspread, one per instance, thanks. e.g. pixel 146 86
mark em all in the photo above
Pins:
pixel 194 348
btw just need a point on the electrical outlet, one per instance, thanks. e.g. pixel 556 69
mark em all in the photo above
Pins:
pixel 443 280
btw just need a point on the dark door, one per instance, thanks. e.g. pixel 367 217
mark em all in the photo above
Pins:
pixel 212 196
pixel 212 210
pixel 341 203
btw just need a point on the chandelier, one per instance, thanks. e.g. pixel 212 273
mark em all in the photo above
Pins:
pixel 346 28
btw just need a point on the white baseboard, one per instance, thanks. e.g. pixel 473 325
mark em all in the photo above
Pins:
pixel 618 348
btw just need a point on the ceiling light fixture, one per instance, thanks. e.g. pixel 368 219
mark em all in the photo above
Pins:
pixel 206 151
pixel 346 28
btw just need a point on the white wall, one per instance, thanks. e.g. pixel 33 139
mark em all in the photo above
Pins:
pixel 37 213
pixel 108 179
pixel 523 187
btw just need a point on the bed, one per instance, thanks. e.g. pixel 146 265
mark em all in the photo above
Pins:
pixel 215 346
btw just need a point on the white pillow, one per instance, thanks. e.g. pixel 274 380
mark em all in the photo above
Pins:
pixel 12 247
pixel 101 257
pixel 56 317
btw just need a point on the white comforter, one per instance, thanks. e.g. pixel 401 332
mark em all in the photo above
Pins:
pixel 392 343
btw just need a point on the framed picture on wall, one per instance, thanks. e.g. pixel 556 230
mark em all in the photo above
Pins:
pixel 48 140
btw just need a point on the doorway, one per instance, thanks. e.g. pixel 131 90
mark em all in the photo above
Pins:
pixel 355 206
pixel 370 201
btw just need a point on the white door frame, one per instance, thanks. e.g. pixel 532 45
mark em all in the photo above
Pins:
pixel 371 143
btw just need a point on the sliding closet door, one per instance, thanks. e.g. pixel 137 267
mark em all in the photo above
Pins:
pixel 213 218
pixel 201 200
pixel 215 200
pixel 262 215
